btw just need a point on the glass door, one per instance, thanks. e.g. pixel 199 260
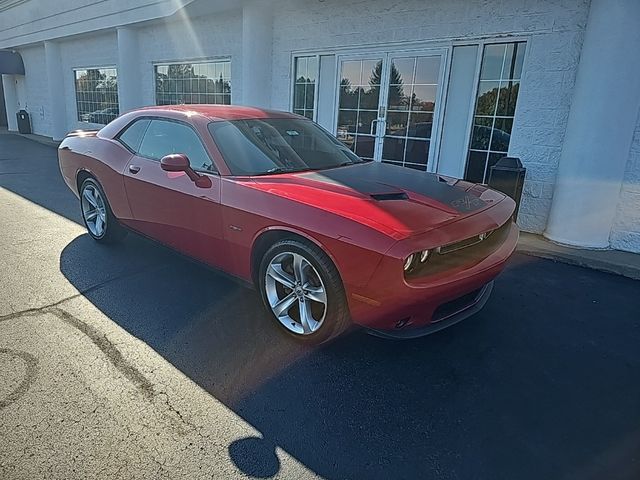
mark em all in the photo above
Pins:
pixel 358 105
pixel 387 107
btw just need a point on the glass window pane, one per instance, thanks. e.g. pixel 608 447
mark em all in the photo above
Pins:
pixel 475 166
pixel 193 83
pixel 298 95
pixel 501 134
pixel 369 97
pixel 399 97
pixel 301 69
pixel 393 149
pixel 414 166
pixel 351 73
pixel 507 98
pixel 347 126
pixel 427 70
pixel 487 98
pixel 417 152
pixel 348 96
pixel 420 125
pixel 365 146
pixel 365 121
pixel 312 69
pixel 164 138
pixel 96 95
pixel 402 71
pixel 424 97
pixel 397 123
pixel 481 135
pixel 492 59
pixel 132 136
pixel 371 72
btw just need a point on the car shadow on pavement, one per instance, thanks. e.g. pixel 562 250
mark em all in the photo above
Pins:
pixel 541 384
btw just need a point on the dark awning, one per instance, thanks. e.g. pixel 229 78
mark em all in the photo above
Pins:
pixel 11 63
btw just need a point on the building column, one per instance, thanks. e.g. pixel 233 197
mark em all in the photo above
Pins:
pixel 257 39
pixel 57 102
pixel 129 84
pixel 600 128
pixel 10 101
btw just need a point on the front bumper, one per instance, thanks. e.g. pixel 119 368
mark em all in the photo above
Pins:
pixel 466 310
pixel 396 307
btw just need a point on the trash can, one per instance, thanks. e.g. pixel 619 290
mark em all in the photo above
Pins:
pixel 24 122
pixel 507 176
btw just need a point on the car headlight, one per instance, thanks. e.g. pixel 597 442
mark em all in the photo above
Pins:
pixel 408 263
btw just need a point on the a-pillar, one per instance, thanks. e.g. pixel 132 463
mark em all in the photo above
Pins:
pixel 600 128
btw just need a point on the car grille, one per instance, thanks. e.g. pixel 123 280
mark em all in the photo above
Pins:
pixel 465 252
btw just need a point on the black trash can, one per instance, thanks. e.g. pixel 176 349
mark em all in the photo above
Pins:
pixel 507 176
pixel 24 122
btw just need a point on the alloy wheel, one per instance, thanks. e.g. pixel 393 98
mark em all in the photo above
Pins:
pixel 94 210
pixel 296 293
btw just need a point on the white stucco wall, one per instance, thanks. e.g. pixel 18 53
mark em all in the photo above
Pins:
pixel 33 89
pixel 95 50
pixel 625 234
pixel 199 38
pixel 553 29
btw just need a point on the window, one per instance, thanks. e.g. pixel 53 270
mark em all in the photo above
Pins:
pixel 498 88
pixel 277 145
pixel 186 83
pixel 97 95
pixel 132 135
pixel 165 137
pixel 304 87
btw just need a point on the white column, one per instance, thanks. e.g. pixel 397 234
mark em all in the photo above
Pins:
pixel 257 39
pixel 600 128
pixel 129 82
pixel 10 100
pixel 55 80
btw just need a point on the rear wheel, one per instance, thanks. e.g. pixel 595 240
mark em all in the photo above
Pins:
pixel 302 290
pixel 101 224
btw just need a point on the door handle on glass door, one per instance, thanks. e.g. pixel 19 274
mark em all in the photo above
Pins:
pixel 373 124
pixel 134 169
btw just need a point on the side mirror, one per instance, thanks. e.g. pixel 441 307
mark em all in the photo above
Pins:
pixel 178 162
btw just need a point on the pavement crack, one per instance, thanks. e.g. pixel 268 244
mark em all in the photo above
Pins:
pixel 111 352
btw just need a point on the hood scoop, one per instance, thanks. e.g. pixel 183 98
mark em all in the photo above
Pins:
pixel 389 196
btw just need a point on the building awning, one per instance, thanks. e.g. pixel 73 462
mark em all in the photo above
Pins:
pixel 11 63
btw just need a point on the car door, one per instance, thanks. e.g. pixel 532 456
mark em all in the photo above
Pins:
pixel 168 206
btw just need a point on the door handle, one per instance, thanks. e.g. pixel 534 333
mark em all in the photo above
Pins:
pixel 374 123
pixel 134 169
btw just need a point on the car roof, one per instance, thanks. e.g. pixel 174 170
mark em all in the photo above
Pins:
pixel 219 112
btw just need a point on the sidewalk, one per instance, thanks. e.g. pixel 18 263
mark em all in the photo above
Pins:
pixel 32 136
pixel 610 261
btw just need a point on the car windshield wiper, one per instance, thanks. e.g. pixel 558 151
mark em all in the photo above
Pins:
pixel 282 170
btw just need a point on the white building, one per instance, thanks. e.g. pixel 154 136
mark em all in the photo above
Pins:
pixel 444 85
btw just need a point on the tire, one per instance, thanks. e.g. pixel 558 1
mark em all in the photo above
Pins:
pixel 297 276
pixel 97 216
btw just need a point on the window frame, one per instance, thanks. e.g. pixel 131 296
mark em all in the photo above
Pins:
pixel 215 171
pixel 74 70
pixel 198 61
pixel 316 87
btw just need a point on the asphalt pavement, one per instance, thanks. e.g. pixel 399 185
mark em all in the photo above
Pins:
pixel 133 362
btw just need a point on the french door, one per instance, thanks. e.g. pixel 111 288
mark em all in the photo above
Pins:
pixel 388 106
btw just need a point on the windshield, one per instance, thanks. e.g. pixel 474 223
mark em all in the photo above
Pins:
pixel 277 145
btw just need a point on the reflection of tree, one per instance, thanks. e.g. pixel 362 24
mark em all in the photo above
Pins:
pixel 182 85
pixel 369 96
pixel 102 87
pixel 506 100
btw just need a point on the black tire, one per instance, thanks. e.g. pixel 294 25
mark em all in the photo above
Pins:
pixel 336 317
pixel 113 231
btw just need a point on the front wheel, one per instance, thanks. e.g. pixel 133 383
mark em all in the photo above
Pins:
pixel 101 224
pixel 303 292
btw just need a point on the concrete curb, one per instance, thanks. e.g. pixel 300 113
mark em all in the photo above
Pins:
pixel 32 136
pixel 617 262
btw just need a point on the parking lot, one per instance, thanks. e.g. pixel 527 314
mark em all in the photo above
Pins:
pixel 134 362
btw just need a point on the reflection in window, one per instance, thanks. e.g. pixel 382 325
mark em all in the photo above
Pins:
pixel 96 95
pixel 495 107
pixel 188 83
pixel 358 105
pixel 413 86
pixel 304 88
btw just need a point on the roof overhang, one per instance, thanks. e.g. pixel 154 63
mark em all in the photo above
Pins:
pixel 11 63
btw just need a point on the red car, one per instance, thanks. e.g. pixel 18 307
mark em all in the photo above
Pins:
pixel 327 238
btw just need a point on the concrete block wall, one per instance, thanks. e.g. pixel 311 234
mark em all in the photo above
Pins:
pixel 553 30
pixel 625 234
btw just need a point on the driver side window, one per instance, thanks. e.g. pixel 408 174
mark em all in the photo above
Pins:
pixel 165 137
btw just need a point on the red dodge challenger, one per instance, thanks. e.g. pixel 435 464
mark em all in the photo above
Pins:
pixel 327 238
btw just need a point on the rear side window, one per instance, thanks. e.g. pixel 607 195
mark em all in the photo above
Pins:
pixel 165 137
pixel 132 135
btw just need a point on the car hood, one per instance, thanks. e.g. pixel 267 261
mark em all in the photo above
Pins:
pixel 389 198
